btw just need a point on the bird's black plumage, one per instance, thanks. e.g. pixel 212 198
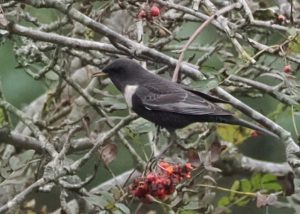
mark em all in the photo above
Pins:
pixel 166 103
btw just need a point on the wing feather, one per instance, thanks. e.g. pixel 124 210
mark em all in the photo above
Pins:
pixel 177 101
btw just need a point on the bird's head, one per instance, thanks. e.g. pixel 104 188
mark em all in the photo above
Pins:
pixel 123 72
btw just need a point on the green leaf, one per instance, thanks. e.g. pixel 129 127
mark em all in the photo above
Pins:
pixel 51 76
pixel 245 185
pixel 235 187
pixel 16 162
pixel 272 186
pixel 233 134
pixel 267 178
pixel 205 85
pixel 243 202
pixel 116 211
pixel 293 32
pixel 187 212
pixel 97 201
pixel 192 205
pixel 27 155
pixel 140 126
pixel 108 197
pixel 269 182
pixel 294 46
pixel 256 181
pixel 114 103
pixel 224 201
pixel 123 208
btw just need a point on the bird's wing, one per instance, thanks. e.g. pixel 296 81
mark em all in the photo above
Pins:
pixel 177 101
pixel 205 95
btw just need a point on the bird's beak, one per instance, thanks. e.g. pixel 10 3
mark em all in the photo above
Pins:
pixel 99 74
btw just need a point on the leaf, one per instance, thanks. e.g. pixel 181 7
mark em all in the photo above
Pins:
pixel 51 76
pixel 294 46
pixel 19 176
pixel 245 185
pixel 293 32
pixel 16 162
pixel 96 200
pixel 224 201
pixel 192 205
pixel 115 211
pixel 140 126
pixel 5 171
pixel 267 178
pixel 108 196
pixel 114 103
pixel 235 186
pixel 187 212
pixel 27 155
pixel 270 182
pixel 256 181
pixel 205 85
pixel 109 153
pixel 242 203
pixel 123 208
pixel 233 134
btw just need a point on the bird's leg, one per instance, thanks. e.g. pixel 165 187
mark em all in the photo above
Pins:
pixel 156 135
pixel 154 138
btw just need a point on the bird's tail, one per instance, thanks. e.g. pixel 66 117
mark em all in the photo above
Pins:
pixel 236 121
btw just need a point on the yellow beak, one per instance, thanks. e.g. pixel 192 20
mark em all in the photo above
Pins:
pixel 99 74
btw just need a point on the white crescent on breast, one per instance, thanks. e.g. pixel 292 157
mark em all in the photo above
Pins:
pixel 128 93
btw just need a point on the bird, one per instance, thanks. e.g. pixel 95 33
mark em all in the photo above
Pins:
pixel 165 103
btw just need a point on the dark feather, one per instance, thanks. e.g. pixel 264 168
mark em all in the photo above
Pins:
pixel 179 101
pixel 206 96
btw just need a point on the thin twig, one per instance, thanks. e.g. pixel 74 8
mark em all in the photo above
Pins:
pixel 176 74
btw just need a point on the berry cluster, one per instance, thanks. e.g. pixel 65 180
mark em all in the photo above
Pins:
pixel 162 182
pixel 149 13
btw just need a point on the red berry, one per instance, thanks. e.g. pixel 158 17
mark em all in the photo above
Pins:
pixel 254 134
pixel 188 175
pixel 281 18
pixel 155 11
pixel 151 177
pixel 189 166
pixel 166 182
pixel 287 69
pixel 142 14
pixel 161 193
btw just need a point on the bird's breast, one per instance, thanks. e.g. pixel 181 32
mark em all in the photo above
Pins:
pixel 128 93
